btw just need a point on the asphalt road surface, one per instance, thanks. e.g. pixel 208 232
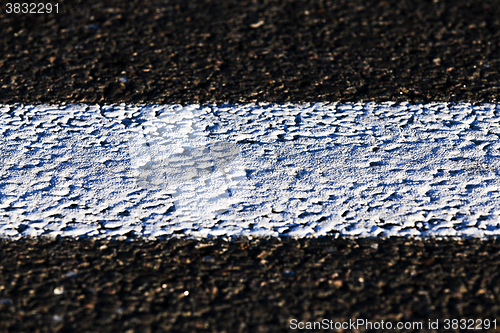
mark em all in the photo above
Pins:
pixel 231 52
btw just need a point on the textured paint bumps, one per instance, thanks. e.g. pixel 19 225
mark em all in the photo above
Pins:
pixel 256 170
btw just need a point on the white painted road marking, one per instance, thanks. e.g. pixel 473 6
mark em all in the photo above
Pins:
pixel 257 170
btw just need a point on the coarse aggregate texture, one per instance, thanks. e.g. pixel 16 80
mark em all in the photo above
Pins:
pixel 300 170
pixel 238 52
pixel 242 286
pixel 154 51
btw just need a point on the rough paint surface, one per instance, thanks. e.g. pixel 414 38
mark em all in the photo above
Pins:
pixel 257 170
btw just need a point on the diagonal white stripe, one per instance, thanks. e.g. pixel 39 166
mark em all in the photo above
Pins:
pixel 256 170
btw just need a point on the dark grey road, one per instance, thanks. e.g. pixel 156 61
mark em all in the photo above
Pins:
pixel 242 51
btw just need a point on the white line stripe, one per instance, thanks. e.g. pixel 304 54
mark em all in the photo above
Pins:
pixel 257 170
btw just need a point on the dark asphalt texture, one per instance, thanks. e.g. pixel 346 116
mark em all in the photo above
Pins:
pixel 241 286
pixel 243 51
